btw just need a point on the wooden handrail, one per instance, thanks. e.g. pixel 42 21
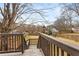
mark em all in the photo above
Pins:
pixel 51 45
pixel 12 42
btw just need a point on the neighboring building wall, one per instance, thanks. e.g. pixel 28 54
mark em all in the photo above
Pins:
pixel 75 29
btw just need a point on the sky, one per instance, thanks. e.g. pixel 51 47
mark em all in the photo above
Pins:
pixel 51 12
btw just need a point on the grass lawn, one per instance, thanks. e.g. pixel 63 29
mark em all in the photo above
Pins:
pixel 33 39
pixel 68 40
pixel 70 36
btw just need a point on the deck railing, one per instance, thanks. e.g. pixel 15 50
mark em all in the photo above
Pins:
pixel 52 46
pixel 12 43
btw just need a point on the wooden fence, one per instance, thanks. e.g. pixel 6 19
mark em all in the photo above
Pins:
pixel 52 46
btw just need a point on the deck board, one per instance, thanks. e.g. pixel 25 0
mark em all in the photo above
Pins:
pixel 32 51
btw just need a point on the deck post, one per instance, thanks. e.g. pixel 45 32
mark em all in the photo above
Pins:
pixel 22 45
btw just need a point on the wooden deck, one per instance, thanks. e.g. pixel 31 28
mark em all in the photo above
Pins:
pixel 51 46
pixel 32 51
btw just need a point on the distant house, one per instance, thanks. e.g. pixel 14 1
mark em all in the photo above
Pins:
pixel 76 29
pixel 54 30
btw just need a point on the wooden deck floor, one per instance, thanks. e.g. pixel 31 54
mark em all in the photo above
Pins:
pixel 32 51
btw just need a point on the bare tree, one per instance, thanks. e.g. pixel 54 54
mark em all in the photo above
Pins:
pixel 11 13
pixel 64 22
pixel 74 7
pixel 59 24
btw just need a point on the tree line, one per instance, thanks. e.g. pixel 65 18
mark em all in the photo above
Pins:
pixel 68 19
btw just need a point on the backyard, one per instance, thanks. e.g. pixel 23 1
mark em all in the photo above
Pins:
pixel 44 29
